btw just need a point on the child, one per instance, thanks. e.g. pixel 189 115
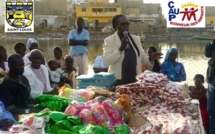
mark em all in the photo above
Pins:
pixel 55 73
pixel 20 48
pixel 3 65
pixel 199 92
pixel 68 68
pixel 58 56
pixel 157 64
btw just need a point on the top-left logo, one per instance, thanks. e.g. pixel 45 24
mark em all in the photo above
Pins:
pixel 19 16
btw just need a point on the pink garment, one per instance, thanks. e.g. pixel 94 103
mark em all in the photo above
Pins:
pixel 40 74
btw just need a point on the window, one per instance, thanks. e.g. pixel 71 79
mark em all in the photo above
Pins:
pixel 83 9
pixel 110 9
pixel 97 10
pixel 94 10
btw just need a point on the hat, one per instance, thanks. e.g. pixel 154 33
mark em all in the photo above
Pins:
pixel 32 41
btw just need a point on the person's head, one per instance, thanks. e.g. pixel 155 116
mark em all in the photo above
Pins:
pixel 69 62
pixel 36 58
pixel 151 50
pixel 32 44
pixel 3 53
pixel 199 80
pixel 16 64
pixel 171 55
pixel 79 23
pixel 52 65
pixel 64 80
pixel 57 53
pixel 120 23
pixel 20 48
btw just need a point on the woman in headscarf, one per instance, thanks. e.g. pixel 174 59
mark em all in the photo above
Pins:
pixel 32 44
pixel 173 69
pixel 124 54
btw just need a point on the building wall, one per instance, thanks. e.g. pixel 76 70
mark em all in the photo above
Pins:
pixel 70 14
pixel 50 7
pixel 2 12
pixel 150 9
pixel 128 7
pixel 210 10
pixel 138 27
pixel 98 1
pixel 210 20
pixel 93 12
pixel 135 11
pixel 52 20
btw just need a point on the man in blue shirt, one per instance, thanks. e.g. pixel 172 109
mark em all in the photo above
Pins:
pixel 79 39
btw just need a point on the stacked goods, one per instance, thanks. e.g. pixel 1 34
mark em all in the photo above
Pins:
pixel 169 123
pixel 151 88
pixel 163 99
pixel 101 79
pixel 104 79
pixel 85 81
pixel 80 95
pixel 97 112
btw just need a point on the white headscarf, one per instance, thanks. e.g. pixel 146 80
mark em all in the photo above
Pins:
pixel 31 41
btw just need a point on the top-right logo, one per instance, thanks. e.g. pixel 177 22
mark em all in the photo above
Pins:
pixel 185 15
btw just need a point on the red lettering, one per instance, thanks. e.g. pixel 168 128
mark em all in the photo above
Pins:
pixel 180 24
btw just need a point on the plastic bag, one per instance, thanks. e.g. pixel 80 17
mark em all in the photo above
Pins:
pixel 34 122
pixel 78 95
pixel 54 115
pixel 91 129
pixel 82 95
pixel 65 91
pixel 99 114
pixel 88 116
pixel 75 108
pixel 53 102
pixel 122 129
pixel 113 113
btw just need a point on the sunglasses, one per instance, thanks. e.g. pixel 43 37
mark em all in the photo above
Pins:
pixel 123 24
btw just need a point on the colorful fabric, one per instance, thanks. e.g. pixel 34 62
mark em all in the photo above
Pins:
pixel 4 114
pixel 175 73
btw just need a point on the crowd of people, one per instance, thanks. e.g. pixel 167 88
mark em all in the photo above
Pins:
pixel 27 75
